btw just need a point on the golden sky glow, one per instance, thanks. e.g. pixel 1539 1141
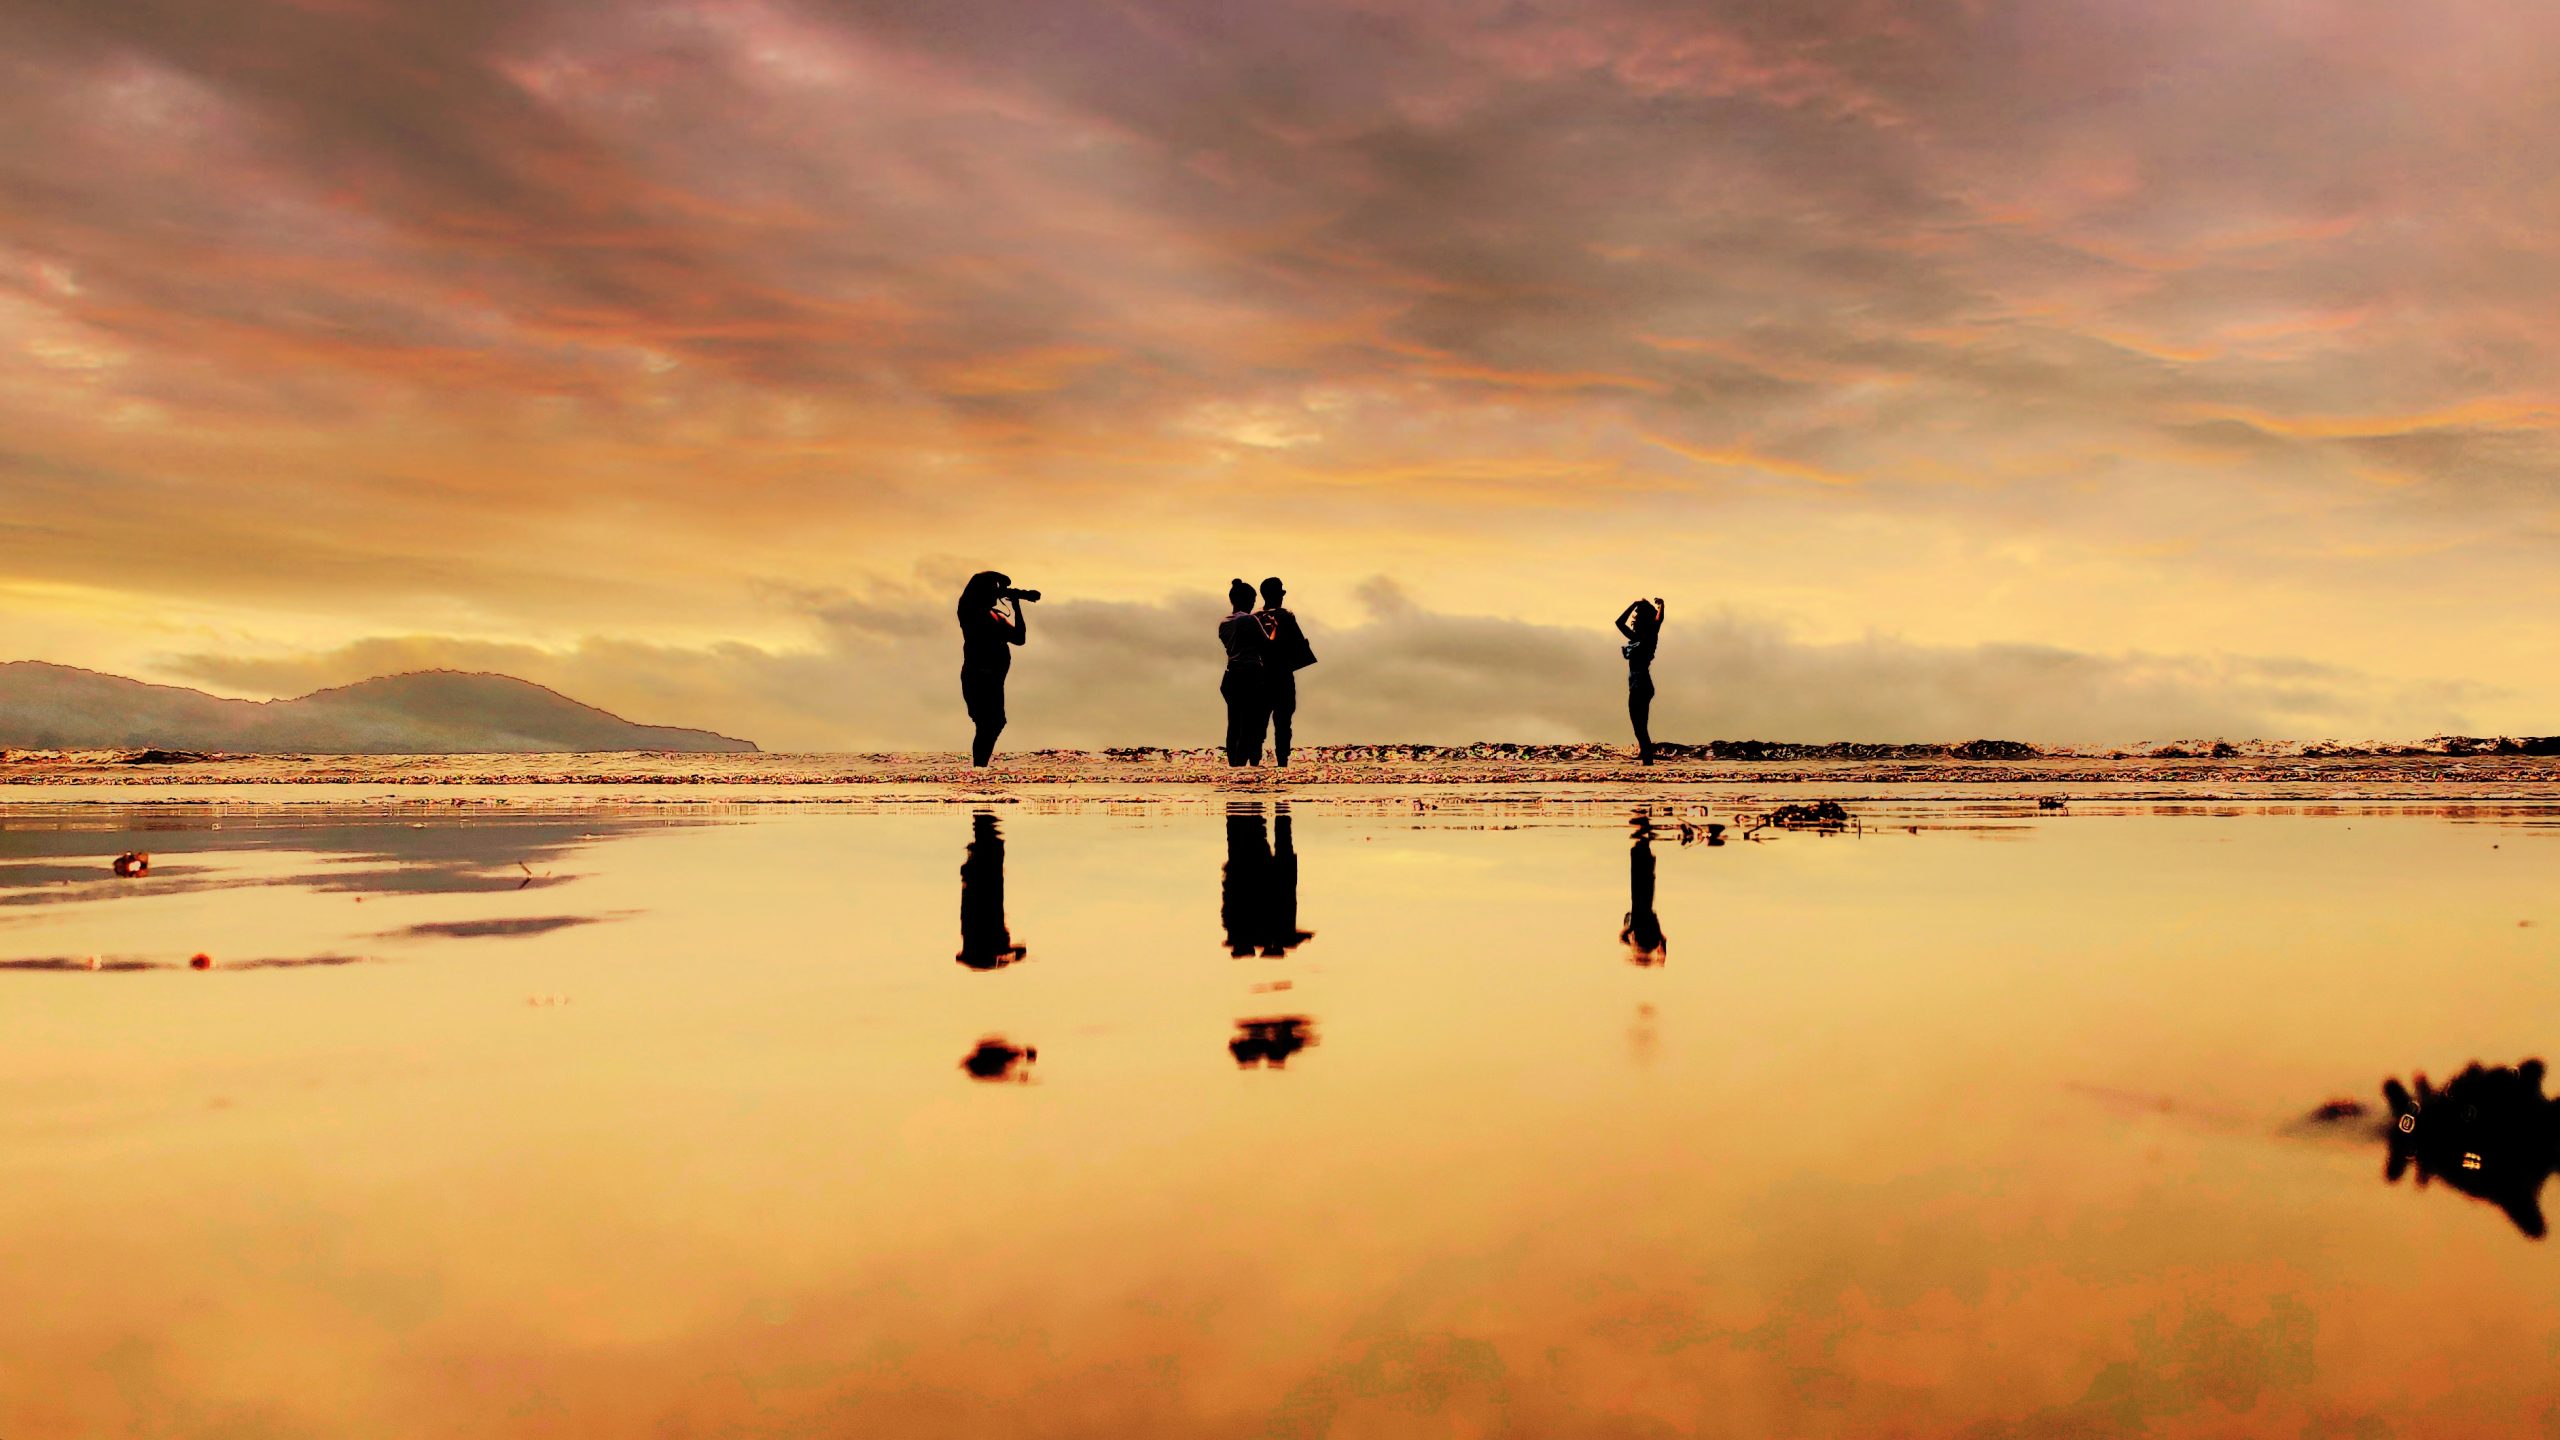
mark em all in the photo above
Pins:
pixel 2069 370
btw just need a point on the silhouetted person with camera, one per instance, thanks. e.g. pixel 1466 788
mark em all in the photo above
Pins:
pixel 991 624
pixel 1290 653
pixel 1642 934
pixel 985 942
pixel 1258 899
pixel 1246 684
pixel 1641 623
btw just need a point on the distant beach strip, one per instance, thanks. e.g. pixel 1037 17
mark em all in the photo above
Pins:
pixel 2445 767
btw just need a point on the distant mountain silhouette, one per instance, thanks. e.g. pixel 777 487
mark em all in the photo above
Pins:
pixel 431 712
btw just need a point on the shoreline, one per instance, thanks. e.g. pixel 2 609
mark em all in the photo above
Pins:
pixel 1085 778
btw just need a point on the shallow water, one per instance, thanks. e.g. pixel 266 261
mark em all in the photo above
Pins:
pixel 677 1121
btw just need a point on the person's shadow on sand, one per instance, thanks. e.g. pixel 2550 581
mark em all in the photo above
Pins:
pixel 985 943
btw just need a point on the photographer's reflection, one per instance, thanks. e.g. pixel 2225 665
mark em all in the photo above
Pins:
pixel 1258 902
pixel 1642 934
pixel 985 943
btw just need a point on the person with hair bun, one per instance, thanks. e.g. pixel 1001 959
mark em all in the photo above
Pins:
pixel 1245 684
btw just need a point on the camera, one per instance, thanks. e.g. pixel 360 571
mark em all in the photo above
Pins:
pixel 1010 593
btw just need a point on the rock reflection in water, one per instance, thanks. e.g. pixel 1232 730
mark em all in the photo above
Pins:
pixel 2489 1133
pixel 1258 902
pixel 122 965
pixel 45 860
pixel 985 942
pixel 514 928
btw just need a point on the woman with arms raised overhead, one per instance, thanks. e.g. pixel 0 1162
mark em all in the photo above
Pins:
pixel 1641 623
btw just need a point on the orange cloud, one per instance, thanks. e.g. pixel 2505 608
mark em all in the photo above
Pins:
pixel 553 319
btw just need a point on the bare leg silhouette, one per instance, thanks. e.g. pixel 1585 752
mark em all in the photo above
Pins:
pixel 1640 712
pixel 1247 707
pixel 985 695
pixel 1284 708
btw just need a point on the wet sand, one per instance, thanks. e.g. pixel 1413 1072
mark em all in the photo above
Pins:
pixel 1374 1113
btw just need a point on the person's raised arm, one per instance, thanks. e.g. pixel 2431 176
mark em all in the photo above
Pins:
pixel 1021 630
pixel 1625 615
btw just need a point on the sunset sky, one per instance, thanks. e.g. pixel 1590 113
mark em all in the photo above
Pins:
pixel 2059 370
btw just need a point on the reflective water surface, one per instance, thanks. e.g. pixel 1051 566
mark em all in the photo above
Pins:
pixel 1224 1117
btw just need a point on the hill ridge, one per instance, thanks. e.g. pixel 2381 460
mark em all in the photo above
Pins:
pixel 48 705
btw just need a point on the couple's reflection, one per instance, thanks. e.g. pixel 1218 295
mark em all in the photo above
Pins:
pixel 1270 1041
pixel 985 943
pixel 1258 902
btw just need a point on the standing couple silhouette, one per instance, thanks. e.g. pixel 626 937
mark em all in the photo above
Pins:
pixel 1265 652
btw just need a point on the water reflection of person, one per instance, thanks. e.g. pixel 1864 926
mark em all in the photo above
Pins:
pixel 1642 933
pixel 985 943
pixel 1258 901
pixel 1270 1041
pixel 996 1058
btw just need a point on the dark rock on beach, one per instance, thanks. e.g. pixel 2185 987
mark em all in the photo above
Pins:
pixel 1994 750
pixel 2500 745
pixel 1819 815
pixel 2490 1133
